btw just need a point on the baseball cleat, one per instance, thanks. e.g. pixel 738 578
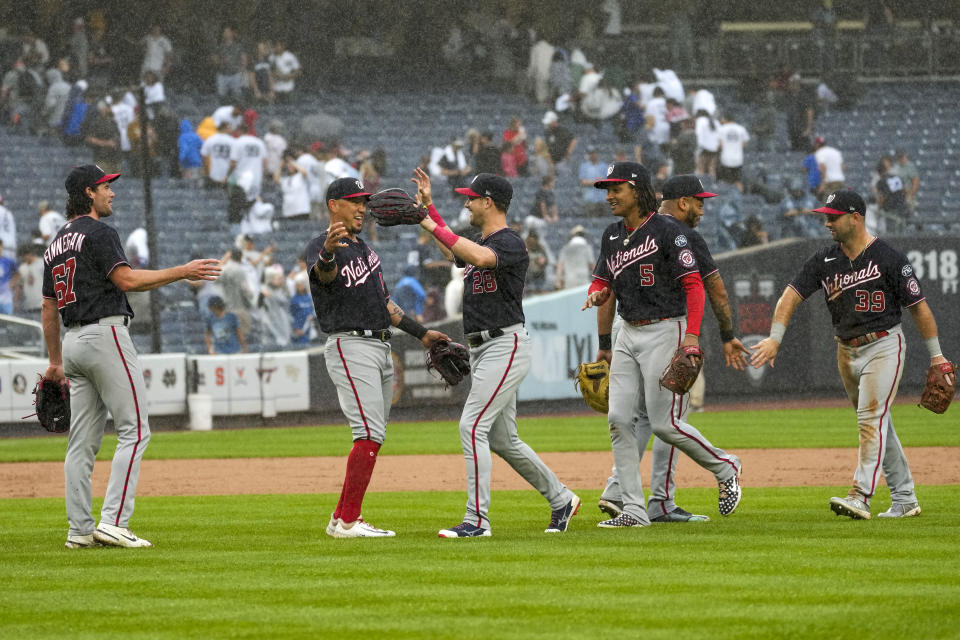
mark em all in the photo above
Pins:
pixel 680 515
pixel 730 494
pixel 621 521
pixel 332 526
pixel 81 542
pixel 360 529
pixel 612 508
pixel 901 510
pixel 851 506
pixel 464 530
pixel 118 537
pixel 560 518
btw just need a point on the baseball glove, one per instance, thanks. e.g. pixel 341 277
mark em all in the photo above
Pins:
pixel 52 400
pixel 940 387
pixel 593 381
pixel 391 207
pixel 450 359
pixel 683 370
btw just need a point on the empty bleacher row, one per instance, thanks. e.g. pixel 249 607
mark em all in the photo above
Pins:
pixel 917 117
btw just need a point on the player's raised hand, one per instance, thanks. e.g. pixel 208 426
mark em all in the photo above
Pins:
pixel 203 269
pixel 596 299
pixel 336 234
pixel 734 354
pixel 422 180
pixel 763 352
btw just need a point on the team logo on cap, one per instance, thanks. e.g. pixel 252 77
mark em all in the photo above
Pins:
pixel 359 184
pixel 907 270
pixel 681 241
pixel 609 169
pixel 830 199
pixel 686 258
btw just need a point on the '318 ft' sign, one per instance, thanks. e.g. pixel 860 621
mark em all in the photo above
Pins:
pixel 936 265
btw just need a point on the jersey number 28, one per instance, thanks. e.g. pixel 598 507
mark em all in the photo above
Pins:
pixel 871 301
pixel 63 282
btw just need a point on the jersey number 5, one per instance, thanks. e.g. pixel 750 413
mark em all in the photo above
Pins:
pixel 871 301
pixel 63 282
pixel 646 275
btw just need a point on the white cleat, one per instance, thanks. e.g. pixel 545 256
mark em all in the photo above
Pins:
pixel 900 510
pixel 360 529
pixel 332 527
pixel 118 537
pixel 81 542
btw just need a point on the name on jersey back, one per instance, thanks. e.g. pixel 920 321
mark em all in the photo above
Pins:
pixel 71 241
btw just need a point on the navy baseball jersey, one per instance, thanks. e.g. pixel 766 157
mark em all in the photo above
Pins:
pixel 493 298
pixel 644 267
pixel 701 252
pixel 76 272
pixel 864 294
pixel 357 297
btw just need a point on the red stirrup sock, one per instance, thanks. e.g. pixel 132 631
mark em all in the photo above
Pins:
pixel 360 465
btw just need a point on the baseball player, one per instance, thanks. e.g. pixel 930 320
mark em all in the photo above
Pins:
pixel 865 282
pixel 355 311
pixel 647 263
pixel 683 197
pixel 85 279
pixel 495 268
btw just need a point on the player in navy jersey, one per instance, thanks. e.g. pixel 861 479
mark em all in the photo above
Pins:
pixel 500 352
pixel 648 274
pixel 85 279
pixel 355 311
pixel 866 282
pixel 683 197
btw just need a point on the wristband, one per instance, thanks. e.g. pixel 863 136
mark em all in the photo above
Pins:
pixel 726 335
pixel 605 340
pixel 446 237
pixel 412 327
pixel 435 215
pixel 326 256
pixel 777 330
pixel 326 266
pixel 933 346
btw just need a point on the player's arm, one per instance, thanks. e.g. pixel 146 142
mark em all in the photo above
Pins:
pixel 464 249
pixel 128 279
pixel 766 350
pixel 325 268
pixel 605 313
pixel 405 323
pixel 733 349
pixel 694 293
pixel 50 319
pixel 927 326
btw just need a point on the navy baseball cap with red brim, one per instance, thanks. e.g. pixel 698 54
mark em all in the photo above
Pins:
pixel 684 186
pixel 87 175
pixel 343 188
pixel 632 172
pixel 487 185
pixel 842 202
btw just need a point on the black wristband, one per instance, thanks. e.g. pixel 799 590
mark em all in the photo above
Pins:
pixel 326 266
pixel 727 336
pixel 327 257
pixel 412 327
pixel 606 342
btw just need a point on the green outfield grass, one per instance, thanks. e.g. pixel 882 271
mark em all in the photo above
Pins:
pixel 783 566
pixel 730 429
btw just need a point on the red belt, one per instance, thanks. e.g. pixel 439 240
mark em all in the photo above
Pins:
pixel 859 341
pixel 643 323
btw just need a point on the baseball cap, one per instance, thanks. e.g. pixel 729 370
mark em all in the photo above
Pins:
pixel 87 175
pixel 819 140
pixel 550 117
pixel 842 202
pixel 342 188
pixel 488 185
pixel 684 186
pixel 632 172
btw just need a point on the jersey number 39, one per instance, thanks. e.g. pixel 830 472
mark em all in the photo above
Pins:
pixel 63 282
pixel 871 301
